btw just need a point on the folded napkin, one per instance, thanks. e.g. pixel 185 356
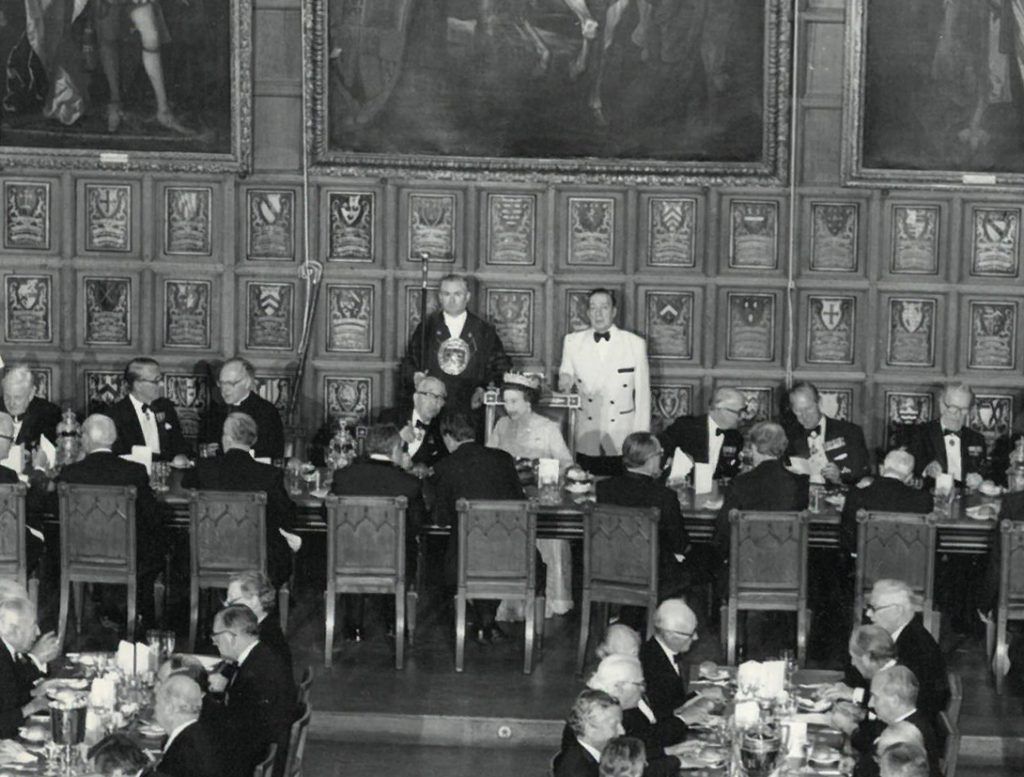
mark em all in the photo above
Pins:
pixel 682 465
pixel 767 678
pixel 142 661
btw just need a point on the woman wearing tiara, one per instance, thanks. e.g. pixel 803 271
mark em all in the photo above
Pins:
pixel 527 435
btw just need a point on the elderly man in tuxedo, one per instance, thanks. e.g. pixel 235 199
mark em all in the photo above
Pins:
pixel 102 467
pixel 254 589
pixel 946 445
pixel 237 383
pixel 259 706
pixel 608 366
pixel 237 470
pixel 33 416
pixel 145 417
pixel 193 747
pixel 419 424
pixel 595 719
pixel 835 449
pixel 663 657
pixel 712 438
pixel 871 649
pixel 23 659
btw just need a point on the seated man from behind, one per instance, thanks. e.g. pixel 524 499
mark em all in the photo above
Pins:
pixel 639 487
pixel 903 760
pixel 237 470
pixel 117 755
pixel 379 473
pixel 102 467
pixel 595 719
pixel 33 416
pixel 768 486
pixel 254 589
pixel 192 748
pixel 890 493
pixel 260 707
pixel 23 661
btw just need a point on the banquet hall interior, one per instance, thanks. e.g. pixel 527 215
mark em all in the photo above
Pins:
pixel 278 194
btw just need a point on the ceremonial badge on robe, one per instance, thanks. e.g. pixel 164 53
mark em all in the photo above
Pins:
pixel 453 356
pixel 187 313
pixel 190 395
pixel 350 318
pixel 915 239
pixel 511 312
pixel 350 218
pixel 751 327
pixel 29 309
pixel 270 223
pixel 270 315
pixel 108 217
pixel 103 388
pixel 669 324
pixel 108 310
pixel 831 325
pixel 432 227
pixel 753 239
pixel 911 332
pixel 671 231
pixel 992 341
pixel 591 231
pixel 188 220
pixel 834 236
pixel 511 229
pixel 347 397
pixel 27 215
pixel 996 243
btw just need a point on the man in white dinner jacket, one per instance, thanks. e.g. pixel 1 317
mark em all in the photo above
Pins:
pixel 608 366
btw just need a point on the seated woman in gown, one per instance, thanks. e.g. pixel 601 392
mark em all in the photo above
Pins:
pixel 527 435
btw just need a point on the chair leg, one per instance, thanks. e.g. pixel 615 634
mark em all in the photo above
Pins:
pixel 581 651
pixel 399 626
pixel 1001 657
pixel 283 599
pixel 412 599
pixel 723 626
pixel 62 617
pixel 330 603
pixel 193 613
pixel 460 628
pixel 802 628
pixel 730 649
pixel 529 627
pixel 540 609
pixel 159 597
pixel 132 602
pixel 79 605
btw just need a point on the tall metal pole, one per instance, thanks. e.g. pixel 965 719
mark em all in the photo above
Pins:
pixel 424 269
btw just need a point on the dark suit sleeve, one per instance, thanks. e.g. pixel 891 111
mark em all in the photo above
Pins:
pixel 51 418
pixel 856 450
pixel 664 766
pixel 279 504
pixel 211 425
pixel 10 710
pixel 176 444
pixel 672 530
pixel 271 441
pixel 917 445
pixel 444 501
pixel 848 521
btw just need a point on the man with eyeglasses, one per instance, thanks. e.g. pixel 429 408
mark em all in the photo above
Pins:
pixel 145 417
pixel 713 437
pixel 33 416
pixel 237 383
pixel 419 425
pixel 835 449
pixel 257 705
pixel 663 658
pixel 639 487
pixel 947 444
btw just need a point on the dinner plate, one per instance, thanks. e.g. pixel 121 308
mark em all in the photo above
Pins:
pixel 151 730
pixel 824 757
pixel 982 512
pixel 813 705
pixel 208 662
pixel 74 683
pixel 715 677
pixel 32 733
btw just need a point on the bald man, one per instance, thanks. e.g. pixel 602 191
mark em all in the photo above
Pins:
pixel 713 437
pixel 101 467
pixel 192 748
pixel 666 671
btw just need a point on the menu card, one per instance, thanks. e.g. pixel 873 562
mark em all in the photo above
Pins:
pixel 682 465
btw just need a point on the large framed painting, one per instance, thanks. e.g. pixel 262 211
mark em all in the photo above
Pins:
pixel 934 93
pixel 127 85
pixel 600 91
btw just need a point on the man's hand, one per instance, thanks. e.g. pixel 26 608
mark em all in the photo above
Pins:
pixel 565 382
pixel 933 470
pixel 416 378
pixel 46 648
pixel 837 692
pixel 217 682
pixel 40 460
pixel 180 461
pixel 973 481
pixel 477 399
pixel 839 719
pixel 38 704
pixel 421 470
pixel 831 473
pixel 408 434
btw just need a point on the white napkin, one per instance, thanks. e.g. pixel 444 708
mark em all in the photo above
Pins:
pixel 140 455
pixel 294 540
pixel 141 663
pixel 944 484
pixel 547 471
pixel 48 448
pixel 747 714
pixel 682 465
pixel 767 677
pixel 799 465
pixel 15 458
pixel 103 692
pixel 703 478
pixel 797 737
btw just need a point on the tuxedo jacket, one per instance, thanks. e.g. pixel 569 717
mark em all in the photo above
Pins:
pixel 844 447
pixel 666 688
pixel 689 433
pixel 574 761
pixel 635 490
pixel 236 470
pixel 487 361
pixel 613 382
pixel 656 736
pixel 373 477
pixel 865 735
pixel 768 486
pixel 103 468
pixel 270 634
pixel 195 752
pixel 270 430
pixel 928 444
pixel 432 445
pixel 129 430
pixel 16 681
pixel 888 494
pixel 41 417
pixel 258 708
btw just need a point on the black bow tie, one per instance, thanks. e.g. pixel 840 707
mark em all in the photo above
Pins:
pixel 812 433
pixel 599 336
pixel 420 424
pixel 18 418
pixel 145 408
pixel 950 432
pixel 719 432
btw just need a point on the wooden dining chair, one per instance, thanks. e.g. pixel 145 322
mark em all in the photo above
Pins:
pixel 767 571
pixel 496 560
pixel 13 557
pixel 620 564
pixel 305 684
pixel 949 725
pixel 265 768
pixel 897 546
pixel 97 545
pixel 297 741
pixel 227 534
pixel 366 555
pixel 1010 600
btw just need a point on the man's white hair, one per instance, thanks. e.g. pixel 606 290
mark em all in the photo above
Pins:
pixel 612 670
pixel 898 462
pixel 897 589
pixel 18 376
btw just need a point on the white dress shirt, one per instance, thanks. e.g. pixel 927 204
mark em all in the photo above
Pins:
pixel 455 323
pixel 147 420
pixel 715 442
pixel 954 457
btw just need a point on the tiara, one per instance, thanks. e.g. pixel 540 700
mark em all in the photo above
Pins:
pixel 525 379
